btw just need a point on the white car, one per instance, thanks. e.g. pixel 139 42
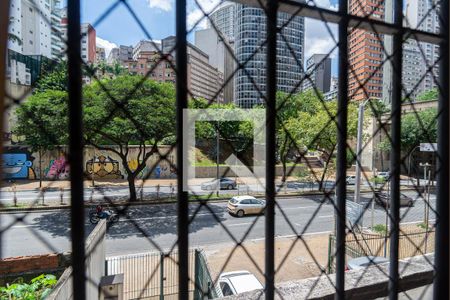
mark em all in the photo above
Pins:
pixel 233 283
pixel 385 175
pixel 351 179
pixel 245 205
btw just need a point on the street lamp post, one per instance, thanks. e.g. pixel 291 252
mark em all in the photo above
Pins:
pixel 217 161
pixel 358 150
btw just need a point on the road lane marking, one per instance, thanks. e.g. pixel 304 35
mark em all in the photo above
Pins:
pixel 297 207
pixel 237 224
pixel 129 219
pixel 327 216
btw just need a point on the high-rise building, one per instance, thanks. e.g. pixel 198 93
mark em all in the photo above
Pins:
pixel 318 68
pixel 419 57
pixel 220 56
pixel 56 31
pixel 29 23
pixel 88 43
pixel 145 46
pixel 204 80
pixel 100 55
pixel 88 38
pixel 365 53
pixel 120 54
pixel 148 63
pixel 223 18
pixel 249 37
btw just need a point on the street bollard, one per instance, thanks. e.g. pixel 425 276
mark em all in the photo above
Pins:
pixel 14 194
pixel 61 195
pixel 157 191
pixel 43 195
pixel 172 190
pixel 142 191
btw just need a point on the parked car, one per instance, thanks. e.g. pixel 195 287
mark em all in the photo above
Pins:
pixel 383 199
pixel 225 184
pixel 351 179
pixel 384 175
pixel 233 283
pixel 364 262
pixel 245 205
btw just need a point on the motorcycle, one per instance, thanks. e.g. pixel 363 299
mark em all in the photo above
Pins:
pixel 95 217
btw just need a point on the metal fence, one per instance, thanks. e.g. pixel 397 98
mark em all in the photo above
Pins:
pixel 369 244
pixel 155 275
pixel 340 23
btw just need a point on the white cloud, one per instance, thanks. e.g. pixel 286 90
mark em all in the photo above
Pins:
pixel 105 44
pixel 195 13
pixel 317 36
pixel 165 5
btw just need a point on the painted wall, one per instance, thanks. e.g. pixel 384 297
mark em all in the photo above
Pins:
pixel 20 163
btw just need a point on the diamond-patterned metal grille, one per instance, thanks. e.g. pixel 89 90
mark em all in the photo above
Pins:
pixel 131 122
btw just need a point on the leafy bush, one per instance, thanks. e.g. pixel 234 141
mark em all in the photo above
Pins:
pixel 380 228
pixel 378 180
pixel 39 288
pixel 423 226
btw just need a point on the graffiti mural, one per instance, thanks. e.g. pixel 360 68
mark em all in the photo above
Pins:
pixel 103 167
pixel 18 165
pixel 58 169
pixel 166 170
pixel 133 165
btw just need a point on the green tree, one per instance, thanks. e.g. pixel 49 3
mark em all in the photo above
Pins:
pixel 415 129
pixel 145 119
pixel 237 135
pixel 316 129
pixel 42 120
pixel 428 95
pixel 56 80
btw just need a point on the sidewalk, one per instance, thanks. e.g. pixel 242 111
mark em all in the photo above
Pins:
pixel 23 185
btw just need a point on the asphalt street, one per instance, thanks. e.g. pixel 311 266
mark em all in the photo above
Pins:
pixel 153 227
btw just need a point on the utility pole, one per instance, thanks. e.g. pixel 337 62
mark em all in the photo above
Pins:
pixel 217 160
pixel 358 150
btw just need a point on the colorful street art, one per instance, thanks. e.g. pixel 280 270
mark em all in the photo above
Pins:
pixel 58 169
pixel 133 165
pixel 103 167
pixel 18 165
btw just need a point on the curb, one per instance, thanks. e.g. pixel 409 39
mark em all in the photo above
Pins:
pixel 156 202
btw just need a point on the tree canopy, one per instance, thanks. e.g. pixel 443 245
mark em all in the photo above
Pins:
pixel 123 111
pixel 307 123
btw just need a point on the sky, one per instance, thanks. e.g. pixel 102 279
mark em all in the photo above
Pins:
pixel 157 18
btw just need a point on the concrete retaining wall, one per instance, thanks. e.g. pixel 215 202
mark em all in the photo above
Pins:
pixel 359 284
pixel 95 267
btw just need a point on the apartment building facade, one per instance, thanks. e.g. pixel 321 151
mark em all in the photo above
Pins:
pixel 204 80
pixel 318 69
pixel 365 53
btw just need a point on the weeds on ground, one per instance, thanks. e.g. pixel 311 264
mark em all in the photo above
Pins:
pixel 38 288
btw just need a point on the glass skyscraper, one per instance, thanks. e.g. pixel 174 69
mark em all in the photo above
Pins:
pixel 250 50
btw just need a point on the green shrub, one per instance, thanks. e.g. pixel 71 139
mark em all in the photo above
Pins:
pixel 378 180
pixel 423 226
pixel 380 228
pixel 38 288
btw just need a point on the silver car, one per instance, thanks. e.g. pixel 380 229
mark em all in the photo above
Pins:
pixel 225 184
pixel 245 205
